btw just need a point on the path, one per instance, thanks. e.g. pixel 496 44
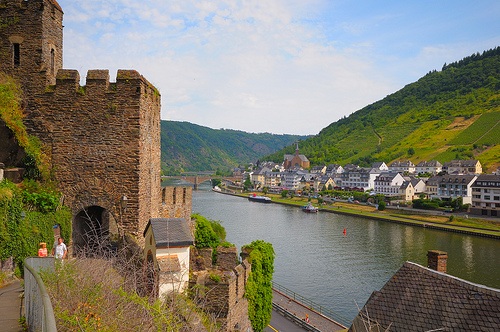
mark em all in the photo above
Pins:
pixel 11 306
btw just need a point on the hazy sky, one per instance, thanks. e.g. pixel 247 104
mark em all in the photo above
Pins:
pixel 278 66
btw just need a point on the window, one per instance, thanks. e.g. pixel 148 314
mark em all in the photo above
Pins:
pixel 17 54
pixel 52 60
pixel 487 197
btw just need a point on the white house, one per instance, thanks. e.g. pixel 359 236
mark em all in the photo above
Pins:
pixel 432 167
pixel 402 166
pixel 166 254
pixel 486 195
pixel 388 183
pixel 463 167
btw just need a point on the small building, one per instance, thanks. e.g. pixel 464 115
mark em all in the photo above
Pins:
pixel 406 191
pixel 431 167
pixel 321 170
pixel 463 167
pixel 402 166
pixel 166 254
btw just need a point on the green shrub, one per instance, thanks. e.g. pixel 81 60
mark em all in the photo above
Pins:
pixel 259 288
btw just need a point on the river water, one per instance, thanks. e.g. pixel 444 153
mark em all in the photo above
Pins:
pixel 316 260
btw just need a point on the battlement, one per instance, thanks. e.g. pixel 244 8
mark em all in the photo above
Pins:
pixel 128 83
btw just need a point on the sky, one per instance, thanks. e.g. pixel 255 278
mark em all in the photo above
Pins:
pixel 276 66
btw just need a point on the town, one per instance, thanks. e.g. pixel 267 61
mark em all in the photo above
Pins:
pixel 400 182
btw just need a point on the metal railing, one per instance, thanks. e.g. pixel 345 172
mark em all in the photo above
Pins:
pixel 312 305
pixel 300 322
pixel 38 308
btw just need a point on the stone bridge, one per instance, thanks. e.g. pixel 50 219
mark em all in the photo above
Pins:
pixel 197 179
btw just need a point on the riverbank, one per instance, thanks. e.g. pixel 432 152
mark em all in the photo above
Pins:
pixel 458 223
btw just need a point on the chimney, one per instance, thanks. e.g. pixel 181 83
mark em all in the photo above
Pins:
pixel 436 260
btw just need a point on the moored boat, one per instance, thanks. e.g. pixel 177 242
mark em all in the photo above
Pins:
pixel 309 208
pixel 261 199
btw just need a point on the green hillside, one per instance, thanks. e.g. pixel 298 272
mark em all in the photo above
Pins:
pixel 189 147
pixel 449 114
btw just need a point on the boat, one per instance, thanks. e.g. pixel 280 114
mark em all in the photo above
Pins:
pixel 309 208
pixel 261 199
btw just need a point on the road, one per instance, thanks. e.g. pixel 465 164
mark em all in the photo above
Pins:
pixel 281 324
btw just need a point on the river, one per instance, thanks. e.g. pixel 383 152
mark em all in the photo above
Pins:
pixel 316 260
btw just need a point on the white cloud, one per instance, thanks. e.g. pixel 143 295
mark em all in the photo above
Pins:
pixel 261 66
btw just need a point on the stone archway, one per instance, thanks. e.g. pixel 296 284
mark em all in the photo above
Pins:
pixel 91 232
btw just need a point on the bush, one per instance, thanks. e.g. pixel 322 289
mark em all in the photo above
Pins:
pixel 204 235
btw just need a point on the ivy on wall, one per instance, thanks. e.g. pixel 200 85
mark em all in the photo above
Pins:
pixel 36 162
pixel 259 288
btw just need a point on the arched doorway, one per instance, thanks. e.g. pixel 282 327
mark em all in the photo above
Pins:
pixel 91 232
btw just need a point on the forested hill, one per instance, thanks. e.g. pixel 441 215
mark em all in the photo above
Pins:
pixel 449 114
pixel 189 147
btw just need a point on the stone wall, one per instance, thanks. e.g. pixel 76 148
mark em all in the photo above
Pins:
pixel 221 289
pixel 177 202
pixel 105 142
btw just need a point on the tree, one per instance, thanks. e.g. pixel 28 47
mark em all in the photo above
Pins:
pixel 247 184
pixel 265 190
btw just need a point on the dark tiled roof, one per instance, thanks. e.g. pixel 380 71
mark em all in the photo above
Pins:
pixel 170 232
pixel 420 299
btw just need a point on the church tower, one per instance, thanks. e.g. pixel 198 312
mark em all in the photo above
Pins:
pixel 31 42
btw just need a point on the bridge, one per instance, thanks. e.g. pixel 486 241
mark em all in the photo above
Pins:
pixel 197 178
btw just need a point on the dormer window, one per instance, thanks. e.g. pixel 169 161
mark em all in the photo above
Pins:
pixel 16 54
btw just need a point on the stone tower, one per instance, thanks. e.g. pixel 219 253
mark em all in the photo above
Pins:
pixel 103 138
pixel 31 37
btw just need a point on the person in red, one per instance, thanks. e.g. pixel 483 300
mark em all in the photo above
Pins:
pixel 42 251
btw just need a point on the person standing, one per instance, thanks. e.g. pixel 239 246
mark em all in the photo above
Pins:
pixel 59 251
pixel 42 251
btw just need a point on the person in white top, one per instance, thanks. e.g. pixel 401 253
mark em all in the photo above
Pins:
pixel 59 250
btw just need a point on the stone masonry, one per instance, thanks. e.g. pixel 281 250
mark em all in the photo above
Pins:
pixel 220 289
